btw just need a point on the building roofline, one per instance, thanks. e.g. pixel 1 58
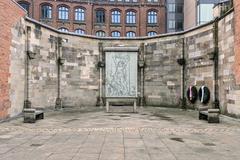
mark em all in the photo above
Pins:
pixel 130 38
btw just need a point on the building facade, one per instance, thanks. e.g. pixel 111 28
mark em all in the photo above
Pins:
pixel 198 12
pixel 115 18
pixel 175 15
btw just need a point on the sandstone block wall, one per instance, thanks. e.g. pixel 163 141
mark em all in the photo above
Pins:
pixel 229 88
pixel 80 75
pixel 162 78
pixel 199 68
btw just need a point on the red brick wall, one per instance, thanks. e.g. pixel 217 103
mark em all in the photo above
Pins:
pixel 10 13
pixel 237 40
pixel 141 28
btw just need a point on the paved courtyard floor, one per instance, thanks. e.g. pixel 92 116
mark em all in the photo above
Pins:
pixel 92 134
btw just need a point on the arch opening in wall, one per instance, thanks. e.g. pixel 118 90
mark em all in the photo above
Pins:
pixel 63 12
pixel 116 34
pixel 63 29
pixel 79 14
pixel 151 33
pixel 130 34
pixel 100 34
pixel 115 17
pixel 46 11
pixel 80 31
pixel 152 17
pixel 131 17
pixel 25 5
pixel 100 16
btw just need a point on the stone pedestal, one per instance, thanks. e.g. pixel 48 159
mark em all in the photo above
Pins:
pixel 27 104
pixel 58 103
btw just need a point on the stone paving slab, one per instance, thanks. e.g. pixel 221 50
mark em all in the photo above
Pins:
pixel 92 134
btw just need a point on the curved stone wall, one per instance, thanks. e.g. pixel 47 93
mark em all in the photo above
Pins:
pixel 163 80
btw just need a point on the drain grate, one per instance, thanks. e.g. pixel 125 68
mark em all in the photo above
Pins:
pixel 36 145
pixel 124 115
pixel 177 139
pixel 162 117
pixel 209 144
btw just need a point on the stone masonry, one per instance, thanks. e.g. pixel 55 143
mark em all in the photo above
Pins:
pixel 8 9
pixel 66 65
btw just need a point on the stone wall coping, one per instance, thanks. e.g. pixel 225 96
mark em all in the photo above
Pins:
pixel 121 49
pixel 129 38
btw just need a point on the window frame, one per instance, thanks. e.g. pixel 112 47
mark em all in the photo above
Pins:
pixel 132 33
pixel 116 36
pixel 101 18
pixel 103 34
pixel 80 33
pixel 152 16
pixel 79 14
pixel 22 3
pixel 47 10
pixel 149 34
pixel 131 17
pixel 115 16
pixel 64 14
pixel 63 29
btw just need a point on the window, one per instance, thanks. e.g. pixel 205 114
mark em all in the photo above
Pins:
pixel 131 17
pixel 152 33
pixel 152 0
pixel 63 29
pixel 46 12
pixel 115 34
pixel 205 13
pixel 80 31
pixel 100 34
pixel 79 14
pixel 179 8
pixel 25 5
pixel 131 1
pixel 63 13
pixel 171 24
pixel 131 34
pixel 171 7
pixel 179 25
pixel 152 17
pixel 100 16
pixel 116 17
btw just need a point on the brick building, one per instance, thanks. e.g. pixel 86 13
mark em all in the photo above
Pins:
pixel 114 18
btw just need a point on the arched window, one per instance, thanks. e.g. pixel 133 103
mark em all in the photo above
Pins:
pixel 116 34
pixel 80 31
pixel 100 16
pixel 63 29
pixel 46 11
pixel 116 17
pixel 100 34
pixel 152 33
pixel 131 34
pixel 152 17
pixel 25 5
pixel 79 14
pixel 131 17
pixel 63 13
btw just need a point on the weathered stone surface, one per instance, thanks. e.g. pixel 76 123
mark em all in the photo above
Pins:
pixel 79 76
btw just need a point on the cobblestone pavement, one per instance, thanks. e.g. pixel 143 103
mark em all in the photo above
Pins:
pixel 92 134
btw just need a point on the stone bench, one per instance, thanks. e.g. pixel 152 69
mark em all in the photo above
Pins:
pixel 31 115
pixel 211 115
pixel 110 101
